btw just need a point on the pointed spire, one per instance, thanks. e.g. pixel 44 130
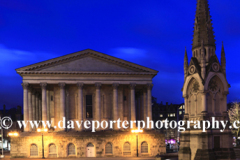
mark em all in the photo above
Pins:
pixel 203 29
pixel 185 63
pixel 223 60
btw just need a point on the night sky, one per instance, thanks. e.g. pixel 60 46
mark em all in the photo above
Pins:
pixel 150 33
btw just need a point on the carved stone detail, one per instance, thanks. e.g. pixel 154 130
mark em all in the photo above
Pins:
pixel 25 85
pixel 115 85
pixel 132 85
pixel 98 85
pixel 80 85
pixel 61 85
pixel 43 85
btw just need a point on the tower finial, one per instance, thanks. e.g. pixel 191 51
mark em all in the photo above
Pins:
pixel 185 63
pixel 203 29
pixel 223 60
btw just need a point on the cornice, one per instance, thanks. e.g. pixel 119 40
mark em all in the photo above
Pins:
pixel 81 73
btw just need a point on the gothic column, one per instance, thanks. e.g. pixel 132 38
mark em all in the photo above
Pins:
pixel 30 113
pixel 132 102
pixel 44 101
pixel 115 104
pixel 80 104
pixel 98 102
pixel 25 105
pixel 149 100
pixel 62 102
pixel 204 102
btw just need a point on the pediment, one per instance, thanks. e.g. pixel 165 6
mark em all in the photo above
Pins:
pixel 86 61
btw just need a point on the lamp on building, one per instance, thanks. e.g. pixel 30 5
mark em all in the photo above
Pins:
pixel 136 131
pixel 42 130
pixel 13 134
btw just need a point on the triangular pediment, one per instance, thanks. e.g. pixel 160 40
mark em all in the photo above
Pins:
pixel 86 61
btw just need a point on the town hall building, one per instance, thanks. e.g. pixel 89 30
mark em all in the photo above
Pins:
pixel 87 85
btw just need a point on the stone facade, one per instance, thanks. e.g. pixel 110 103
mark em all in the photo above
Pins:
pixel 86 85
pixel 21 145
pixel 205 92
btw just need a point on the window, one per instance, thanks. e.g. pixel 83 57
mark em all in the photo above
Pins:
pixel 126 148
pixel 144 147
pixel 161 115
pixel 180 112
pixel 108 148
pixel 34 150
pixel 89 106
pixel 71 149
pixel 52 151
pixel 171 115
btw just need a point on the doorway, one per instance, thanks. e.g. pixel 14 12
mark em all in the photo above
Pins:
pixel 90 150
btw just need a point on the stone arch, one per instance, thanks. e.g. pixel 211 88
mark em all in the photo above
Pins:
pixel 108 148
pixel 127 148
pixel 222 79
pixel 71 149
pixel 33 150
pixel 188 80
pixel 52 150
pixel 144 147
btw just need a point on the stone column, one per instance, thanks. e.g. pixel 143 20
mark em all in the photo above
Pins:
pixel 33 106
pixel 115 104
pixel 204 102
pixel 40 108
pixel 30 106
pixel 149 100
pixel 80 104
pixel 145 110
pixel 44 101
pixel 37 106
pixel 98 102
pixel 25 105
pixel 132 103
pixel 62 103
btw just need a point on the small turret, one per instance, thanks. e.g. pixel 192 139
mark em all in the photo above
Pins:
pixel 223 60
pixel 185 63
pixel 203 61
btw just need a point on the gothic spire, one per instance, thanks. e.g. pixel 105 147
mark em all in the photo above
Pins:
pixel 185 63
pixel 223 60
pixel 203 30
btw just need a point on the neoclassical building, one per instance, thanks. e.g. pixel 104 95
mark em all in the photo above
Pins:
pixel 86 85
pixel 205 93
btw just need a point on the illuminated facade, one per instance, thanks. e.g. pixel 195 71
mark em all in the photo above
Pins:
pixel 86 85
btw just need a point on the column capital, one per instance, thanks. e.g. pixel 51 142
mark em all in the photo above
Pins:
pixel 132 85
pixel 43 85
pixel 61 85
pixel 80 85
pixel 98 85
pixel 115 85
pixel 25 85
pixel 149 86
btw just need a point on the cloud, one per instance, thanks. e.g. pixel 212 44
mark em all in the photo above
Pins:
pixel 128 52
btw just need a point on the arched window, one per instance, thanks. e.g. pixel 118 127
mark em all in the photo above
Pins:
pixel 71 149
pixel 127 148
pixel 108 148
pixel 34 150
pixel 52 151
pixel 144 147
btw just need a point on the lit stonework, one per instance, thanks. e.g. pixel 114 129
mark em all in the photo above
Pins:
pixel 87 85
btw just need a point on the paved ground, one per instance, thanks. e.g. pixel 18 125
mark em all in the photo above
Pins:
pixel 7 158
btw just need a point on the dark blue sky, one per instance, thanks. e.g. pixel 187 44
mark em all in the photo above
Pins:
pixel 150 33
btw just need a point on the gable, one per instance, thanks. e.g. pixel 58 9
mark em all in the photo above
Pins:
pixel 86 62
pixel 89 64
